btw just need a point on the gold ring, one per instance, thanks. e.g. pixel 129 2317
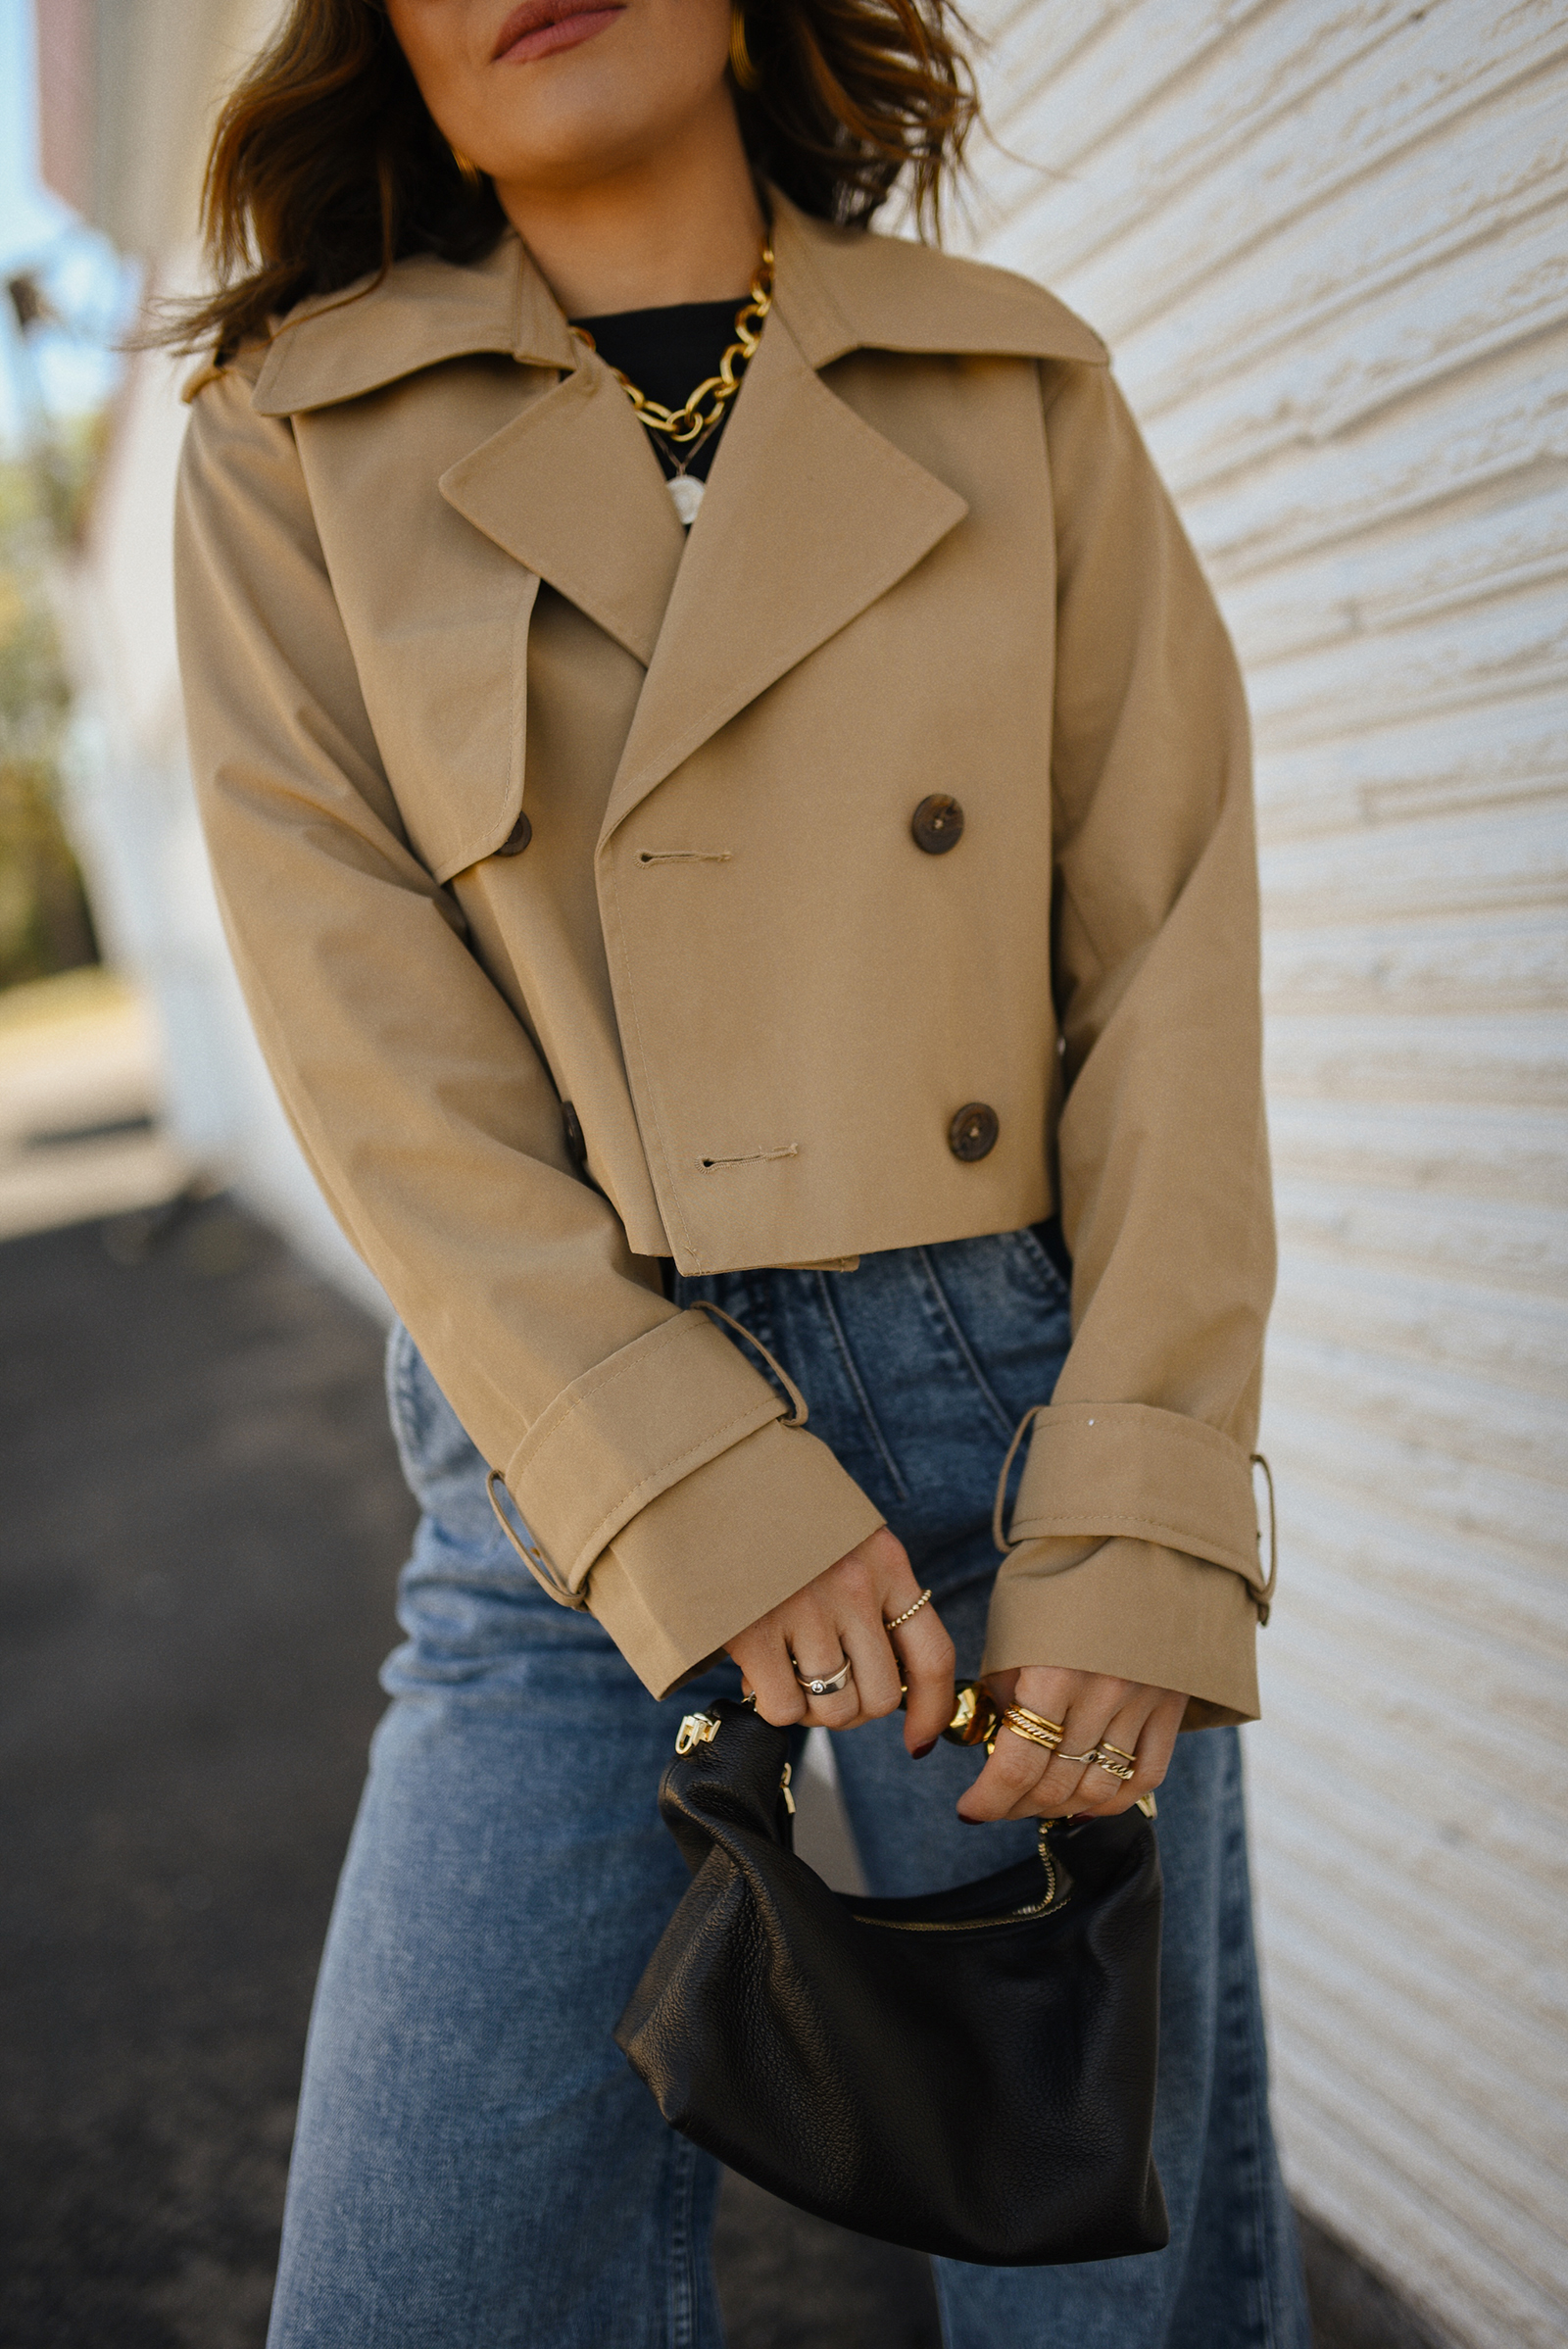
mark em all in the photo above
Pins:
pixel 1022 1724
pixel 1106 1747
pixel 1123 1769
pixel 1085 1758
pixel 891 1623
pixel 1050 1729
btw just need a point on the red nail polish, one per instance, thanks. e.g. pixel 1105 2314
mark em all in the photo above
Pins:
pixel 919 1752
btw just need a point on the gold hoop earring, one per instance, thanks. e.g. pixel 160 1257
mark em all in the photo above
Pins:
pixel 470 170
pixel 740 57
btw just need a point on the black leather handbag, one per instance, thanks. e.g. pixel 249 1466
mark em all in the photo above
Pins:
pixel 971 2073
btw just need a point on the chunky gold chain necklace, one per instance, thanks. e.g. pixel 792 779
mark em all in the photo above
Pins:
pixel 699 413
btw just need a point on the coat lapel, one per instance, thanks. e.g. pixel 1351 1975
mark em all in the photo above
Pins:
pixel 810 515
pixel 570 489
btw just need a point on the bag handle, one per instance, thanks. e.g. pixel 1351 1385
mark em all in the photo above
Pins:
pixel 702 1304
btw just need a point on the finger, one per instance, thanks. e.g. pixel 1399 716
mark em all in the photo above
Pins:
pixel 768 1652
pixel 765 1662
pixel 925 1658
pixel 817 1652
pixel 1008 1786
pixel 1101 1791
pixel 842 1711
pixel 1059 1785
pixel 1144 1733
pixel 1157 1743
pixel 876 1682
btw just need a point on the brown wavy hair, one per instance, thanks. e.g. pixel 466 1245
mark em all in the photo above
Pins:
pixel 327 166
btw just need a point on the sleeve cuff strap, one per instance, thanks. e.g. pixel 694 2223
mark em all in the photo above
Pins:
pixel 1151 1475
pixel 628 1429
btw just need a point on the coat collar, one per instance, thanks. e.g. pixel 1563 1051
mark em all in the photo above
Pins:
pixel 421 311
pixel 810 513
pixel 840 289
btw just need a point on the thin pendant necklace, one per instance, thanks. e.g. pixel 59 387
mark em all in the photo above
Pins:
pixel 679 433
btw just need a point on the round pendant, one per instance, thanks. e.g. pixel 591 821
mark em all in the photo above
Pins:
pixel 687 495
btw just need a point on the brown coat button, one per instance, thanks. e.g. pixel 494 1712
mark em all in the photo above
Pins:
pixel 937 825
pixel 572 1130
pixel 973 1132
pixel 516 839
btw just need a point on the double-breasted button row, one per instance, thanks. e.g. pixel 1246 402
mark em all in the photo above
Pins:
pixel 937 825
pixel 973 1132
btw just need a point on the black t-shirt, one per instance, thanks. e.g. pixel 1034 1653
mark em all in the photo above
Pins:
pixel 666 353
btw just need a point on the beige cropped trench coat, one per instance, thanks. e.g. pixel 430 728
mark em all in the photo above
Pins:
pixel 430 582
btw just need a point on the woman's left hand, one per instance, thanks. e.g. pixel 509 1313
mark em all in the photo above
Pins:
pixel 1022 1781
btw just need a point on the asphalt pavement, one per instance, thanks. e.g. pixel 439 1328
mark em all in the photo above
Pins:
pixel 203 1521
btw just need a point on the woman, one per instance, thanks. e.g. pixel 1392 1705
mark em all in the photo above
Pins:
pixel 740 893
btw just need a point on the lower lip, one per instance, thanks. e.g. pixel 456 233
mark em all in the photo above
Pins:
pixel 568 34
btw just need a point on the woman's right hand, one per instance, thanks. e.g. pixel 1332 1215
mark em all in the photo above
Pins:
pixel 844 1614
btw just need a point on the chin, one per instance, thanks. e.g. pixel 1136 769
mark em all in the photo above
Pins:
pixel 570 144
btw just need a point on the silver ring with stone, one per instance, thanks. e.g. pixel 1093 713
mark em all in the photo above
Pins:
pixel 825 1686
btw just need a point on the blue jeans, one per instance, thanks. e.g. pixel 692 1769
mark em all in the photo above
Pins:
pixel 475 2165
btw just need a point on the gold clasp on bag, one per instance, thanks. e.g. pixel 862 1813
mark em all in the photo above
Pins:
pixel 699 1728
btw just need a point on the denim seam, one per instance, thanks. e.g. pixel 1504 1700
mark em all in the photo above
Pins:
pixel 1245 1994
pixel 965 1348
pixel 400 1385
pixel 862 1398
pixel 682 2282
pixel 1042 1263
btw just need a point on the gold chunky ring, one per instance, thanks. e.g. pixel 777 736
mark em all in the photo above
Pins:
pixel 891 1623
pixel 825 1685
pixel 1122 1766
pixel 1047 1728
pixel 1033 1726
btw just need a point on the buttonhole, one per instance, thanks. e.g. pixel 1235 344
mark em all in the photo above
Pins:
pixel 684 857
pixel 788 1149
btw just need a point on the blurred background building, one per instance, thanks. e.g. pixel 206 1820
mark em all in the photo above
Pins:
pixel 126 91
pixel 1328 242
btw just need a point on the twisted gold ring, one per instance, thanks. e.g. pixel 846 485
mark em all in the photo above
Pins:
pixel 891 1623
pixel 1033 1726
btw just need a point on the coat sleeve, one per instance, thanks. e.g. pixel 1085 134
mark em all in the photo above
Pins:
pixel 644 1453
pixel 1135 1538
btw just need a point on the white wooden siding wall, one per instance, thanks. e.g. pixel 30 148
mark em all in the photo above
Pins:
pixel 1328 242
